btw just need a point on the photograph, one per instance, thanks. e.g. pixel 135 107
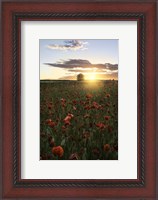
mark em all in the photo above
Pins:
pixel 78 99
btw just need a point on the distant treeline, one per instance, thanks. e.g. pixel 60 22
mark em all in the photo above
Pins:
pixel 74 80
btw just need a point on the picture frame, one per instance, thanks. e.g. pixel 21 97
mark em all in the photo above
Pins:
pixel 13 186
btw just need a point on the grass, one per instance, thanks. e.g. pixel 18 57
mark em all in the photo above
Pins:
pixel 79 120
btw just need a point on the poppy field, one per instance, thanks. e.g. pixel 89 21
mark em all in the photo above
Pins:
pixel 79 120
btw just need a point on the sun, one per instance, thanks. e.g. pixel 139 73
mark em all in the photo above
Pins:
pixel 91 77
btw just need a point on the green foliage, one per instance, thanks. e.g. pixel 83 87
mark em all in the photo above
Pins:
pixel 91 109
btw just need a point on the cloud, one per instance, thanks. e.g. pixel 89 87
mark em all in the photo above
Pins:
pixel 111 67
pixel 80 65
pixel 69 45
pixel 87 70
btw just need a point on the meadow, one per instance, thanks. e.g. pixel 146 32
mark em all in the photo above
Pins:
pixel 79 120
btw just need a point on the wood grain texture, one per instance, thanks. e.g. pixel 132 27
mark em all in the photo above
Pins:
pixel 144 186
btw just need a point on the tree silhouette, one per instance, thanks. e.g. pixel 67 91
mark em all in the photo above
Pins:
pixel 80 77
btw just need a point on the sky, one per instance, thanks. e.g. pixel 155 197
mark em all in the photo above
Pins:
pixel 65 59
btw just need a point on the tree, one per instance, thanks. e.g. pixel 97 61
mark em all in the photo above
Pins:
pixel 80 77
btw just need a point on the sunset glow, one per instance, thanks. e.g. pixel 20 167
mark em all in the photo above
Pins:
pixel 65 59
pixel 91 77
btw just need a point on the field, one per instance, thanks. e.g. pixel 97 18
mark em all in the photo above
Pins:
pixel 79 120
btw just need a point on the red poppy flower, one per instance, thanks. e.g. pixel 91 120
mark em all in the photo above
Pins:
pixel 58 151
pixel 87 107
pixel 74 102
pixel 52 124
pixel 100 125
pixel 89 96
pixel 49 106
pixel 48 121
pixel 63 127
pixel 63 100
pixel 70 115
pixel 67 118
pixel 107 118
pixel 67 122
pixel 94 105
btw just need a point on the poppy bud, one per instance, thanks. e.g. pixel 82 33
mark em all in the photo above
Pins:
pixel 106 147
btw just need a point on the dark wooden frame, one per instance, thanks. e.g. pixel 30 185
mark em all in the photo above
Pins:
pixel 144 12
